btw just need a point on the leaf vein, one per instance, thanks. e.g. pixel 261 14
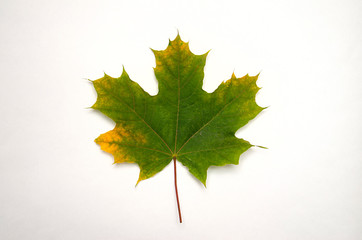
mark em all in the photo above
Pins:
pixel 135 146
pixel 134 111
pixel 217 114
pixel 206 150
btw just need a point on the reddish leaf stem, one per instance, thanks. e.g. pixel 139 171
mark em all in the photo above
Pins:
pixel 178 202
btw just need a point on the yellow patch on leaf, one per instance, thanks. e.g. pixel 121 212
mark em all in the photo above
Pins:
pixel 110 142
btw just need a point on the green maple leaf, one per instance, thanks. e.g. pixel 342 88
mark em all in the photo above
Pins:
pixel 182 122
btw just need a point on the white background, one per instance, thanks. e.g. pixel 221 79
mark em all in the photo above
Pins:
pixel 56 183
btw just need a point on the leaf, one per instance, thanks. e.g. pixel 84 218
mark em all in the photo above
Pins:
pixel 182 121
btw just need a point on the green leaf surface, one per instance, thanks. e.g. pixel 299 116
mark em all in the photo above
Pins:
pixel 182 121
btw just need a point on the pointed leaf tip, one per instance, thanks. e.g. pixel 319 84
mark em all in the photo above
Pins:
pixel 87 79
pixel 124 72
pixel 140 178
pixel 207 53
pixel 260 146
pixel 177 38
pixel 105 74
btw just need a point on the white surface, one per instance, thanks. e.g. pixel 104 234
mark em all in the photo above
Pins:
pixel 56 183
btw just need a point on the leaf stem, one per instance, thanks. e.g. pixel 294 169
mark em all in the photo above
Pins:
pixel 178 202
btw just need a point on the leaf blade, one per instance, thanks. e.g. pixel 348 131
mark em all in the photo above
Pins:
pixel 182 120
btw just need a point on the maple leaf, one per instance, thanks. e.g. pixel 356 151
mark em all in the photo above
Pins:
pixel 182 122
